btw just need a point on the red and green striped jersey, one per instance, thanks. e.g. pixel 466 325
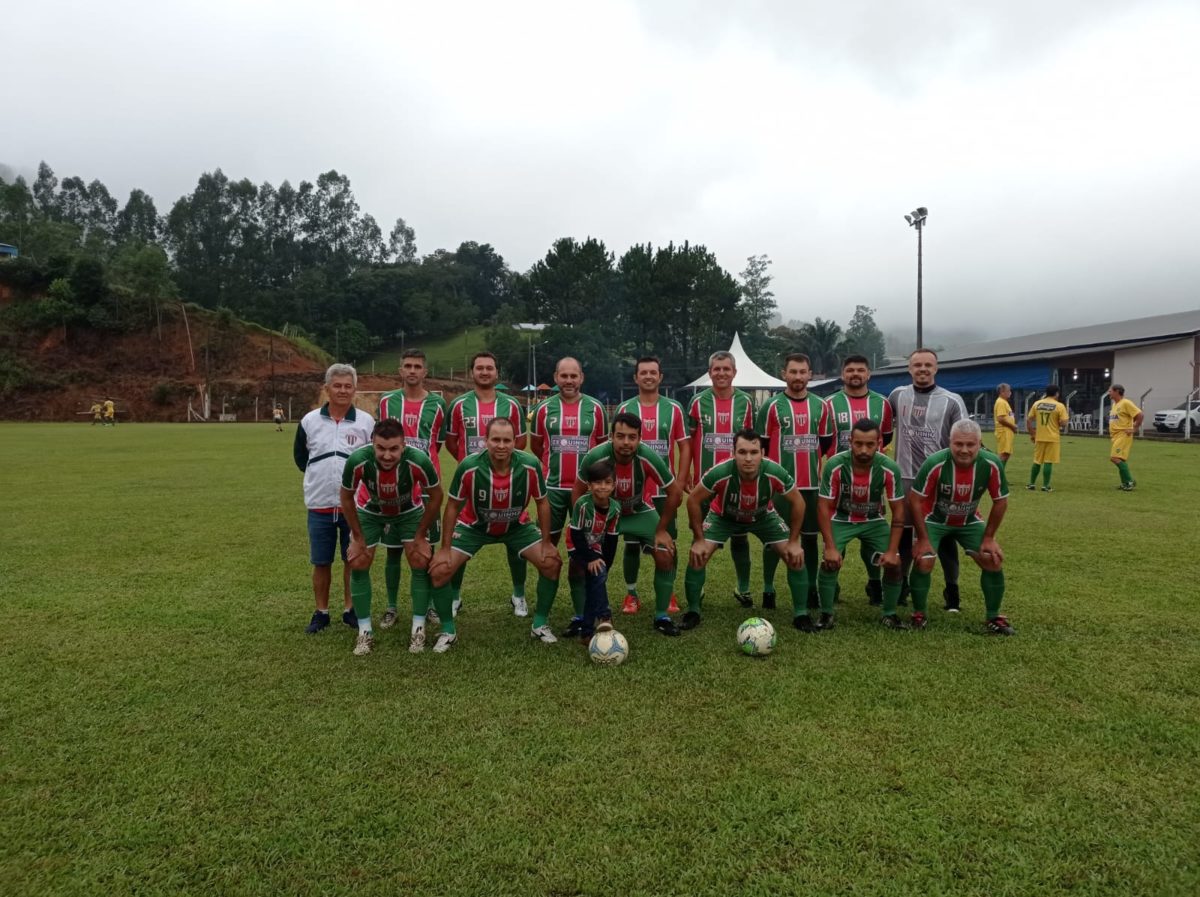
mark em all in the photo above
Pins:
pixel 568 431
pixel 636 480
pixel 860 497
pixel 793 441
pixel 469 416
pixel 713 422
pixel 424 421
pixel 389 492
pixel 494 502
pixel 951 493
pixel 662 426
pixel 593 523
pixel 745 501
pixel 842 412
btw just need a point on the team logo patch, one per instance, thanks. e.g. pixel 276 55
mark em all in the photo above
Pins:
pixel 351 438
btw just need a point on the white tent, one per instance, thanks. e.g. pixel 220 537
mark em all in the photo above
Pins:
pixel 749 375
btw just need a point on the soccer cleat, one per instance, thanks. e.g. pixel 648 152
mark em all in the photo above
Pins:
pixel 690 620
pixel 1047 488
pixel 574 628
pixel 891 621
pixel 673 607
pixel 445 642
pixel 363 644
pixel 349 618
pixel 632 605
pixel 743 598
pixel 874 592
pixel 826 621
pixel 389 618
pixel 804 623
pixel 520 608
pixel 951 596
pixel 999 626
pixel 431 616
pixel 1030 487
pixel 918 621
pixel 542 634
pixel 768 601
pixel 1128 487
pixel 318 622
pixel 416 642
pixel 666 626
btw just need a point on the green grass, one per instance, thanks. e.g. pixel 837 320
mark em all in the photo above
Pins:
pixel 167 728
pixel 452 352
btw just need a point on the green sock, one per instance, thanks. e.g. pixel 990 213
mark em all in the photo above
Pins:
pixel 1047 472
pixel 770 565
pixel 578 593
pixel 631 563
pixel 874 572
pixel 797 581
pixel 693 587
pixel 456 582
pixel 1004 463
pixel 918 587
pixel 421 589
pixel 391 575
pixel 1033 474
pixel 891 595
pixel 546 590
pixel 739 549
pixel 1123 470
pixel 517 566
pixel 827 583
pixel 443 600
pixel 360 593
pixel 664 582
pixel 992 583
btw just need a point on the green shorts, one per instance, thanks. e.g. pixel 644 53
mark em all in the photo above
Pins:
pixel 770 528
pixel 784 507
pixel 519 538
pixel 639 528
pixel 659 504
pixel 875 534
pixel 970 537
pixel 393 531
pixel 560 508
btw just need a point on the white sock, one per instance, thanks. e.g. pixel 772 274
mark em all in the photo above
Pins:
pixel 365 625
pixel 631 587
pixel 418 623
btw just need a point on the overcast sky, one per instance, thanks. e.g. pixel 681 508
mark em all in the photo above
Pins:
pixel 1056 143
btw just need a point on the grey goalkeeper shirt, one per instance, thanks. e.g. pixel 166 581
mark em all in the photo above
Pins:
pixel 922 422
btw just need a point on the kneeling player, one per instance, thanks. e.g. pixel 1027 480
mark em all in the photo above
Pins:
pixel 487 497
pixel 855 486
pixel 944 501
pixel 390 496
pixel 739 493
pixel 592 544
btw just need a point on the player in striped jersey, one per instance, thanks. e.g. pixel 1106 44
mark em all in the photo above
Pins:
pixel 565 428
pixel 789 424
pixel 714 415
pixel 423 416
pixel 664 432
pixel 743 495
pixel 390 496
pixel 856 485
pixel 486 506
pixel 945 501
pixel 466 434
pixel 853 402
pixel 592 543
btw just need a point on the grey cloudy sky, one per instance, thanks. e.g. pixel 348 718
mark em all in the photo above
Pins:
pixel 1055 142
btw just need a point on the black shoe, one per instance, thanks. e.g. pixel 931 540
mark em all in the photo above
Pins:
pixel 951 597
pixel 318 622
pixel 804 623
pixel 743 599
pixel 814 600
pixel 874 592
pixel 826 621
pixel 690 620
pixel 349 618
pixel 666 626
pixel 574 629
pixel 891 621
pixel 998 626
pixel 768 601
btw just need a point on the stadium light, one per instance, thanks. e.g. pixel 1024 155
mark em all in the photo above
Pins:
pixel 916 218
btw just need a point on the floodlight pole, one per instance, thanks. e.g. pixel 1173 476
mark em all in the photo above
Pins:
pixel 920 225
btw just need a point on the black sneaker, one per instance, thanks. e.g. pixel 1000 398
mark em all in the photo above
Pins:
pixel 874 592
pixel 690 620
pixel 574 629
pixel 891 621
pixel 826 621
pixel 349 618
pixel 804 623
pixel 951 597
pixel 1030 487
pixel 318 622
pixel 768 601
pixel 743 598
pixel 999 626
pixel 814 600
pixel 666 626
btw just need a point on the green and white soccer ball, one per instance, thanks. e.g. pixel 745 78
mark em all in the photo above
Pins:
pixel 608 648
pixel 756 637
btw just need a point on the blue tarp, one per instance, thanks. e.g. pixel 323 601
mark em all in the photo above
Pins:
pixel 1019 375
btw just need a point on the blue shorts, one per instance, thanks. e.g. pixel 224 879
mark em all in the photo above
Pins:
pixel 324 531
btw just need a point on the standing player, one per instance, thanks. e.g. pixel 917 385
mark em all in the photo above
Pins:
pixel 325 437
pixel 945 501
pixel 486 506
pixel 789 424
pixel 277 415
pixel 1124 418
pixel 1045 423
pixel 923 414
pixel 1005 422
pixel 391 497
pixel 565 428
pixel 423 417
pixel 466 434
pixel 855 487
pixel 743 495
pixel 97 412
pixel 640 472
pixel 663 430
pixel 110 413
pixel 714 415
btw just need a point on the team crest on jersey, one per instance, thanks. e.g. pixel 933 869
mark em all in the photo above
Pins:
pixel 624 485
pixel 570 422
pixel 501 494
pixel 351 438
pixel 917 412
pixel 859 492
pixel 648 426
pixel 410 420
pixel 963 488
pixel 723 418
pixel 387 487
pixel 749 501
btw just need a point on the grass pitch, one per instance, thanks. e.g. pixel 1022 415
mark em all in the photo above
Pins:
pixel 166 726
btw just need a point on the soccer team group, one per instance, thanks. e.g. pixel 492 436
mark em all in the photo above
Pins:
pixel 799 469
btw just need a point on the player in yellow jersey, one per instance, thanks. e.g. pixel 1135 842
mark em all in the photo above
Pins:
pixel 110 413
pixel 1123 421
pixel 1006 423
pixel 1045 421
pixel 97 411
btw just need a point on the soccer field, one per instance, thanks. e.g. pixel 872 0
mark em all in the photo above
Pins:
pixel 166 726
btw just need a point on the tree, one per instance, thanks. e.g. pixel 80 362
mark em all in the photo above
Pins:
pixel 821 341
pixel 402 242
pixel 138 221
pixel 573 283
pixel 758 301
pixel 45 191
pixel 863 337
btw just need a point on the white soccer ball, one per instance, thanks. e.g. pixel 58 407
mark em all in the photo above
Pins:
pixel 756 637
pixel 608 648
